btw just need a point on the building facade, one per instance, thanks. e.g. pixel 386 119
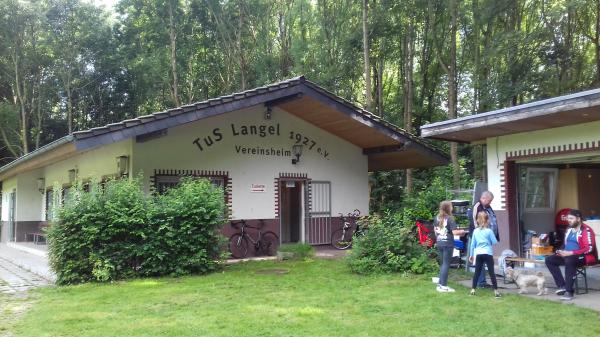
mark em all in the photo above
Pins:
pixel 290 155
pixel 541 157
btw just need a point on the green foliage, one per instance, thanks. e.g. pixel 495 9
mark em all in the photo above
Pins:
pixel 298 251
pixel 115 231
pixel 389 246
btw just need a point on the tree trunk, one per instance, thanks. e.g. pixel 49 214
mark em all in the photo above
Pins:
pixel 408 83
pixel 452 91
pixel 67 80
pixel 367 68
pixel 380 85
pixel 173 45
pixel 20 100
pixel 240 47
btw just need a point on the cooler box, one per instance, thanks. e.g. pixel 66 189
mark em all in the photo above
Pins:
pixel 595 224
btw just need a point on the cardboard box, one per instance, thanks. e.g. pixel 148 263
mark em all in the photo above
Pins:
pixel 541 250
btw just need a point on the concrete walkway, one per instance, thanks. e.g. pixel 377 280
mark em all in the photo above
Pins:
pixel 21 270
pixel 591 300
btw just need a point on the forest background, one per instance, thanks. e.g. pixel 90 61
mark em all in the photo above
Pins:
pixel 68 65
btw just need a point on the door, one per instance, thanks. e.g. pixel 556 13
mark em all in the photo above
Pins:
pixel 291 210
pixel 319 213
pixel 12 198
pixel 537 188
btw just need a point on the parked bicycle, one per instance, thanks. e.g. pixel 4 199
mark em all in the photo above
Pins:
pixel 342 238
pixel 265 244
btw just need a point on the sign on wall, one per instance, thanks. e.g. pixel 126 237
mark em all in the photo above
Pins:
pixel 277 136
pixel 258 188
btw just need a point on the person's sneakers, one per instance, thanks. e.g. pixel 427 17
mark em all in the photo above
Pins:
pixel 567 296
pixel 560 291
pixel 497 294
pixel 472 293
pixel 443 289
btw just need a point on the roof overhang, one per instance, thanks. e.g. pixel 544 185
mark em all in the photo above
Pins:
pixel 560 111
pixel 387 146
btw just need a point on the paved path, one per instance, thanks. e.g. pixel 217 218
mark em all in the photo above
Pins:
pixel 20 271
pixel 14 278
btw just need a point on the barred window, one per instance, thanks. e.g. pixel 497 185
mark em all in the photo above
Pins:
pixel 165 182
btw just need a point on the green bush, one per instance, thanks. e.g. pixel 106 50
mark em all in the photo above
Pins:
pixel 116 231
pixel 389 246
pixel 299 251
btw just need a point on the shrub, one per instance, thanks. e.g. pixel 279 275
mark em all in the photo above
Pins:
pixel 298 251
pixel 389 246
pixel 116 231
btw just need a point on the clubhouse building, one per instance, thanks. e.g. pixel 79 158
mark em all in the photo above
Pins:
pixel 290 154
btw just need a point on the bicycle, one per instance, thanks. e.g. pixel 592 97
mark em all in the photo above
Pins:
pixel 342 238
pixel 265 244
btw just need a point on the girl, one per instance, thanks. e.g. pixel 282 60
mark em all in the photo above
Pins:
pixel 445 229
pixel 482 240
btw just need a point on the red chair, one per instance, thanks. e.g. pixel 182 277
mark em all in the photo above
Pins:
pixel 425 233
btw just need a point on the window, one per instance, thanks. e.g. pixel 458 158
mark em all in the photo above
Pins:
pixel 66 194
pixel 164 182
pixel 49 204
pixel 540 188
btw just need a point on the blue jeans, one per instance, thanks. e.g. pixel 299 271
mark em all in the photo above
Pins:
pixel 445 255
pixel 481 279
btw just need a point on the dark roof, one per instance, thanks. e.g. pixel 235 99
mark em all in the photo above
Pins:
pixel 559 111
pixel 274 94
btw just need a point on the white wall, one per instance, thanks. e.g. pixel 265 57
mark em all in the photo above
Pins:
pixel 497 147
pixel 95 163
pixel 345 165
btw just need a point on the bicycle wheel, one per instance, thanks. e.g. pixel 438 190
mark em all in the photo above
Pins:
pixel 238 246
pixel 269 242
pixel 341 239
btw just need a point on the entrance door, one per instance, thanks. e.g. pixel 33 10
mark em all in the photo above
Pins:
pixel 291 209
pixel 537 187
pixel 319 214
pixel 12 198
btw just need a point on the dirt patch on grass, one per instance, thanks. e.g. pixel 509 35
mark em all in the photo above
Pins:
pixel 12 308
pixel 273 271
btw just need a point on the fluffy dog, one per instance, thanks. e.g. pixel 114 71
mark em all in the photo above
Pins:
pixel 524 280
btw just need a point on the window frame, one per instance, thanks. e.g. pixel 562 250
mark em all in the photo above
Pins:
pixel 552 189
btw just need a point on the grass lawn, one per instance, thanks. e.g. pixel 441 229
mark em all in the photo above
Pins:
pixel 315 298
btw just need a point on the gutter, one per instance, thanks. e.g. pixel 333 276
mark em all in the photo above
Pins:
pixel 46 148
pixel 539 108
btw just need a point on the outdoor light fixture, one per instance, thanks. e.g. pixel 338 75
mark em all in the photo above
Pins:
pixel 72 175
pixel 41 182
pixel 297 152
pixel 268 113
pixel 122 165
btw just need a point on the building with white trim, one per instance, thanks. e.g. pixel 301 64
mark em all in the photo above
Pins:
pixel 542 157
pixel 290 154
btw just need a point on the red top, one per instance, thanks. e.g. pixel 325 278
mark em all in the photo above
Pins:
pixel 587 243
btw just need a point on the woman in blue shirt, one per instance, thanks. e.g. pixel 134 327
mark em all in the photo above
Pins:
pixel 482 240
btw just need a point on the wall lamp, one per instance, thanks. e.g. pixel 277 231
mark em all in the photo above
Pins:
pixel 297 152
pixel 72 175
pixel 268 113
pixel 41 184
pixel 122 165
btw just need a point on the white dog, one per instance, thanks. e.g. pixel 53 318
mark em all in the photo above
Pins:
pixel 524 280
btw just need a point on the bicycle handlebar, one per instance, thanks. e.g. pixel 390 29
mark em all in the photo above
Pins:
pixel 243 223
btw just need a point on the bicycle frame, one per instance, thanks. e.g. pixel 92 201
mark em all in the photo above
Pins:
pixel 243 233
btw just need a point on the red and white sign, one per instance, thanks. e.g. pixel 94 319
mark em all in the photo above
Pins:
pixel 258 188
